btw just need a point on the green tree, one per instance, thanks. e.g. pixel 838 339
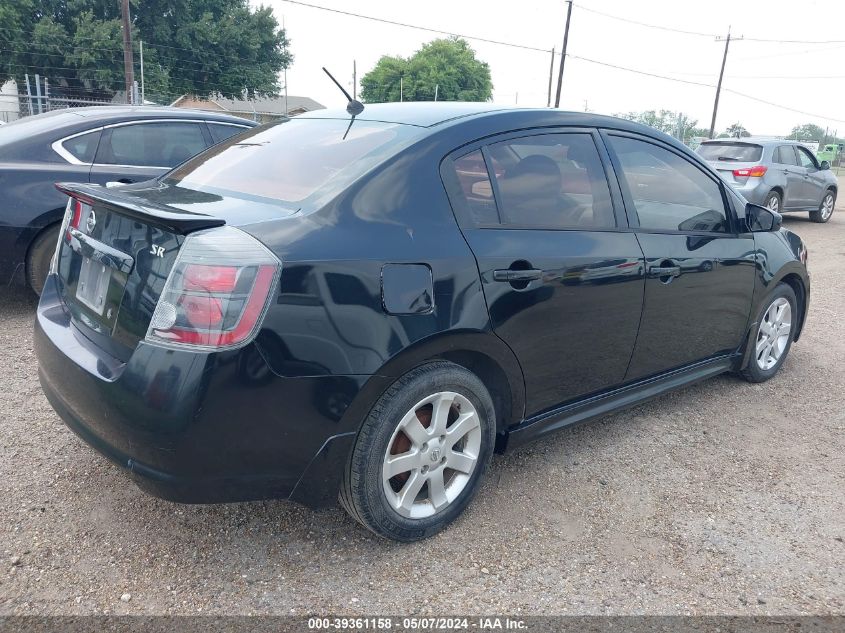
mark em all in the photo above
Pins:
pixel 807 132
pixel 676 124
pixel 737 130
pixel 201 47
pixel 448 67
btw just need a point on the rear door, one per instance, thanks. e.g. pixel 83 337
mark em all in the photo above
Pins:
pixel 699 263
pixel 562 276
pixel 140 150
pixel 786 160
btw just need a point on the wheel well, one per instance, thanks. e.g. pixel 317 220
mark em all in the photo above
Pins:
pixel 34 239
pixel 778 191
pixel 834 189
pixel 493 377
pixel 797 285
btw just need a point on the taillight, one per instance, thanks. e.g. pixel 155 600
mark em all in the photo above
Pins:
pixel 758 171
pixel 216 293
pixel 76 215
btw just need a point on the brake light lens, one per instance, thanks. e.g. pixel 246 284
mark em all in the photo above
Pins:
pixel 758 171
pixel 216 293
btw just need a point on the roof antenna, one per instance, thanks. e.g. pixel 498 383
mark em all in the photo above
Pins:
pixel 354 107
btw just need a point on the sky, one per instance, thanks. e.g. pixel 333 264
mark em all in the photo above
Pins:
pixel 805 77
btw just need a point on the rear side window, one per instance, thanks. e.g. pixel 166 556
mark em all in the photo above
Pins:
pixel 552 181
pixel 669 192
pixel 731 152
pixel 84 146
pixel 476 188
pixel 164 144
pixel 785 155
pixel 220 132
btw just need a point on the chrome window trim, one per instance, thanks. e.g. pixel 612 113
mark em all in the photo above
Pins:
pixel 58 146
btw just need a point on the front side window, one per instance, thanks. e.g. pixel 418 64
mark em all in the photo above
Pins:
pixel 785 155
pixel 552 181
pixel 84 146
pixel 668 191
pixel 806 158
pixel 160 144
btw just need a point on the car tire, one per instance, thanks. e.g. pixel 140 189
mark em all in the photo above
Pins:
pixel 825 211
pixel 771 341
pixel 404 506
pixel 40 256
pixel 774 202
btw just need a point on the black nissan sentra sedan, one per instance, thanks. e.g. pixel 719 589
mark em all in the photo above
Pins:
pixel 368 307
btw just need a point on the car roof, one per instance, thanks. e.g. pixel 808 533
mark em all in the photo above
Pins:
pixel 430 114
pixel 418 113
pixel 131 112
pixel 751 140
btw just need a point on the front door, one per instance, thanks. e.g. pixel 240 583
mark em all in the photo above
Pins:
pixel 813 180
pixel 563 283
pixel 699 269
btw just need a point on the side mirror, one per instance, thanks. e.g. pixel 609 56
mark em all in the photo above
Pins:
pixel 824 166
pixel 762 220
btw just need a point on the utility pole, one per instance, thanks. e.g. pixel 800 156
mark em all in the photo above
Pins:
pixel 143 99
pixel 129 75
pixel 401 89
pixel 355 81
pixel 286 68
pixel 436 90
pixel 719 85
pixel 563 53
pixel 551 73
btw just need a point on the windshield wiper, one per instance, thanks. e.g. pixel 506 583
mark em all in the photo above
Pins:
pixel 733 158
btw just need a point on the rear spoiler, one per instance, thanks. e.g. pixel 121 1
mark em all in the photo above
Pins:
pixel 170 218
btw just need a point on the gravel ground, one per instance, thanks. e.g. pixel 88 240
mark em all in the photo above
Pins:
pixel 722 498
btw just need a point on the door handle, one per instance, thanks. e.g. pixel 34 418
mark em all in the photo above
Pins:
pixel 664 271
pixel 517 275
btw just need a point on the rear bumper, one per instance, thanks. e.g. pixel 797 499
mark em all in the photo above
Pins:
pixel 198 427
pixel 755 190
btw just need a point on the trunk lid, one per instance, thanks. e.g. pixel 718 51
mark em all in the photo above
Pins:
pixel 726 169
pixel 118 247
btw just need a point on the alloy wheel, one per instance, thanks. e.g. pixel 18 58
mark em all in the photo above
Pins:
pixel 773 335
pixel 431 455
pixel 827 206
pixel 774 204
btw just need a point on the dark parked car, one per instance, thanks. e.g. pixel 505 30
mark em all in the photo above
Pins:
pixel 370 307
pixel 96 145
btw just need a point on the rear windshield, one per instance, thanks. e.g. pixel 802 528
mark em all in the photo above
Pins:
pixel 731 152
pixel 295 161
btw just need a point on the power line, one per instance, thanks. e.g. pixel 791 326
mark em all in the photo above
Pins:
pixel 645 24
pixel 642 72
pixel 706 85
pixel 783 107
pixel 418 28
pixel 702 34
